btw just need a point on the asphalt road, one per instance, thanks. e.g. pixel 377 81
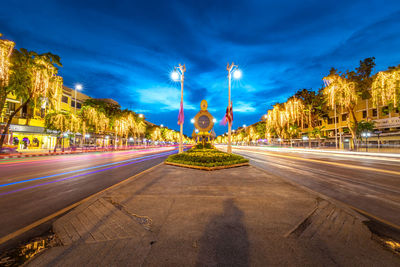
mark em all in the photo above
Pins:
pixel 33 188
pixel 371 184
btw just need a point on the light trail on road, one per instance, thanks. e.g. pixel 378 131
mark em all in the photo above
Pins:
pixel 31 192
pixel 136 160
pixel 81 170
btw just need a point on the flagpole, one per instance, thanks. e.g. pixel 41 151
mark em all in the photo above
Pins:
pixel 229 115
pixel 181 130
pixel 229 106
pixel 182 69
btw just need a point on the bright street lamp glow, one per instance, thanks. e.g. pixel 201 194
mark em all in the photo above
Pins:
pixel 244 125
pixel 214 120
pixel 237 74
pixel 175 76
pixel 78 87
pixel 196 131
pixel 192 120
pixel 140 115
pixel 162 125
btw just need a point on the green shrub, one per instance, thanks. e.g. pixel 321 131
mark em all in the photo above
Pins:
pixel 206 158
pixel 206 146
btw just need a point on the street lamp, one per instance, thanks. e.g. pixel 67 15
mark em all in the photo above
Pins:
pixel 237 74
pixel 192 121
pixel 305 138
pixel 78 87
pixel 140 115
pixel 162 125
pixel 366 135
pixel 179 75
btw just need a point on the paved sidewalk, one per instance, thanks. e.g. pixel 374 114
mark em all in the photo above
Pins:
pixel 175 216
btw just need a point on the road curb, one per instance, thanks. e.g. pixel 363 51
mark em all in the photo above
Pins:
pixel 207 168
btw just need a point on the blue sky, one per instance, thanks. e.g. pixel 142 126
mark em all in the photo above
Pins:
pixel 125 50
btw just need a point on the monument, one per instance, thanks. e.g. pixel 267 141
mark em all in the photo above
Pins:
pixel 203 122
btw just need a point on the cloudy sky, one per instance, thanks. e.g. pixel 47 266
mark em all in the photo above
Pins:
pixel 125 50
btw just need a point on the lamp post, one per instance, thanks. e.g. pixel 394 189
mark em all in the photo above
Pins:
pixel 78 87
pixel 237 74
pixel 179 75
pixel 366 135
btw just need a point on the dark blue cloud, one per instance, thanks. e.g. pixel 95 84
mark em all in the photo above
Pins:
pixel 126 49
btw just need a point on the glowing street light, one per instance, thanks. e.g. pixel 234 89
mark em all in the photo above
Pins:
pixel 244 125
pixel 237 74
pixel 178 75
pixel 214 120
pixel 162 125
pixel 78 87
pixel 140 115
pixel 175 76
pixel 192 120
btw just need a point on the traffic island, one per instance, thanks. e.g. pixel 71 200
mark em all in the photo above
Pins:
pixel 208 159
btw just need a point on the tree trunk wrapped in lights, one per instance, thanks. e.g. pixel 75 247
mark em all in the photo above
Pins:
pixel 385 89
pixel 6 48
pixel 295 110
pixel 340 92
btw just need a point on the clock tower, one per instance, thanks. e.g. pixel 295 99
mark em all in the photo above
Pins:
pixel 203 122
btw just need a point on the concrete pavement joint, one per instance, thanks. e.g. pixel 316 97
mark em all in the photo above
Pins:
pixel 361 214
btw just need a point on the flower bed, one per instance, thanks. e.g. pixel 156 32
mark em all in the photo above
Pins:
pixel 207 158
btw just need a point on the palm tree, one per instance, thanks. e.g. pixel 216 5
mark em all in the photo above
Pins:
pixel 61 122
pixel 6 48
pixel 32 77
pixel 341 92
pixel 385 89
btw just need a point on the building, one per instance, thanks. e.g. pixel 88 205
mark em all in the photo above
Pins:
pixel 27 128
pixel 385 134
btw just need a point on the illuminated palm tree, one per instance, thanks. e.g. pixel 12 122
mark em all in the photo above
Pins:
pixel 295 110
pixel 6 48
pixel 60 122
pixel 33 77
pixel 341 92
pixel 385 89
pixel 277 121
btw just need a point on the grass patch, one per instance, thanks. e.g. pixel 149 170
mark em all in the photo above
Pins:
pixel 206 158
